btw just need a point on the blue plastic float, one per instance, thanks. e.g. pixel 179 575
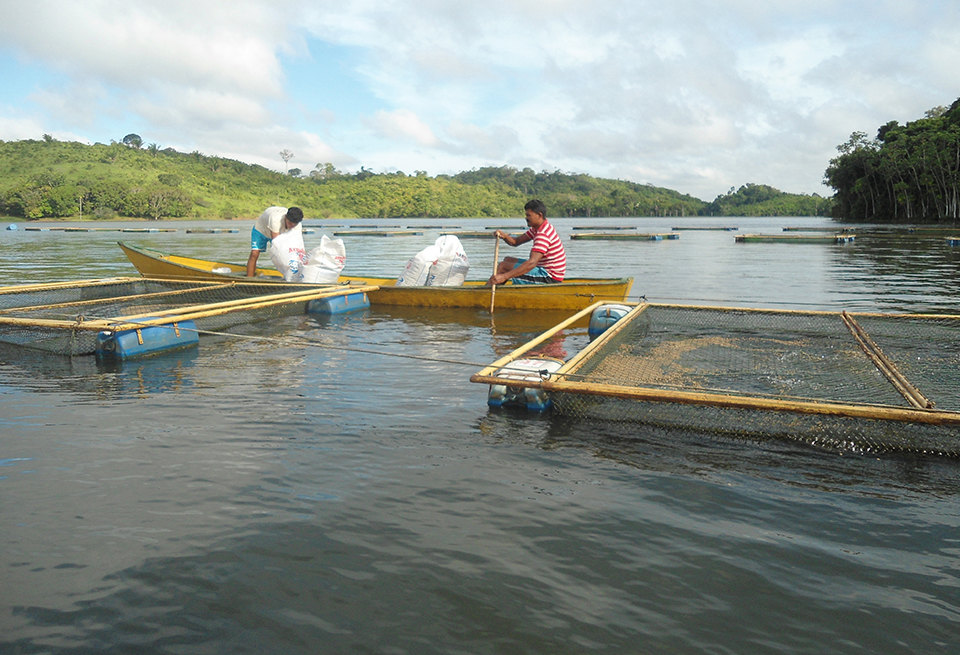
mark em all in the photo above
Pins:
pixel 350 302
pixel 147 340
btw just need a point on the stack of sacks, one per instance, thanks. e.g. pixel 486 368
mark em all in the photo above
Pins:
pixel 444 264
pixel 322 265
pixel 325 262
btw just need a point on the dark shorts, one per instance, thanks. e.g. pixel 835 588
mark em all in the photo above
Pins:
pixel 536 275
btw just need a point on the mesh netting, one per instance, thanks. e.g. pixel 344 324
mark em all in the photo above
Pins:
pixel 925 349
pixel 26 313
pixel 854 382
pixel 747 353
pixel 838 433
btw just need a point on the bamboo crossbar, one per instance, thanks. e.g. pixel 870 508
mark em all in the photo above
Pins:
pixel 44 286
pixel 218 309
pixel 58 324
pixel 506 359
pixel 183 314
pixel 242 303
pixel 876 412
pixel 884 365
pixel 138 296
pixel 612 331
pixel 808 312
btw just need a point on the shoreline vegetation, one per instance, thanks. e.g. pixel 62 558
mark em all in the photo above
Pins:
pixel 60 180
pixel 908 174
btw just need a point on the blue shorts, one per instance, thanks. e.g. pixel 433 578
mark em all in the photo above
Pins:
pixel 259 240
pixel 536 275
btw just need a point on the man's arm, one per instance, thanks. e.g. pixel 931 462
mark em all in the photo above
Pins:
pixel 512 240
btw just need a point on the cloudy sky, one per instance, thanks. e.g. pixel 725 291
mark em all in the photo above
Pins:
pixel 693 95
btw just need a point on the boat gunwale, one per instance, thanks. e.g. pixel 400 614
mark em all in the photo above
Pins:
pixel 383 281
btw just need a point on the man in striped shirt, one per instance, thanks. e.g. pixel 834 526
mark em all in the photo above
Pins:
pixel 548 260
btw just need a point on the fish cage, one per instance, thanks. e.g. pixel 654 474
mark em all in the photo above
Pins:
pixel 862 382
pixel 128 317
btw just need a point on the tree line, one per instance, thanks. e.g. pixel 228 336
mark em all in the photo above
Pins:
pixel 908 173
pixel 131 179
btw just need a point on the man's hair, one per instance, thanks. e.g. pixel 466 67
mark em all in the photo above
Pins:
pixel 295 215
pixel 537 207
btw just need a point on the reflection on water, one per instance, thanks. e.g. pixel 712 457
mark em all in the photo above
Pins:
pixel 335 484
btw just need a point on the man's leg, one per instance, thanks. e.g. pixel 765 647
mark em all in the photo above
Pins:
pixel 508 264
pixel 252 262
pixel 258 244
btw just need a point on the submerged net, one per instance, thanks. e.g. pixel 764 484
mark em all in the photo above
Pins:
pixel 853 382
pixel 837 433
pixel 53 318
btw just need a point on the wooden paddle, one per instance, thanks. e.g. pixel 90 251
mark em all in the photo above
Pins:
pixel 496 256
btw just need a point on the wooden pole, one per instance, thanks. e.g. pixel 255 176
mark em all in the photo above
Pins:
pixel 496 257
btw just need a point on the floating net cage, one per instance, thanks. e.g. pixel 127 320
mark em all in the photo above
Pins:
pixel 869 383
pixel 66 318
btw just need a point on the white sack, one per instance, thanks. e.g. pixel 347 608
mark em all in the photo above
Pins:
pixel 288 255
pixel 418 268
pixel 451 267
pixel 324 262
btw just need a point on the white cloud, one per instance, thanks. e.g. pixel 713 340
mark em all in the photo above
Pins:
pixel 403 124
pixel 14 128
pixel 495 143
pixel 131 44
pixel 199 108
pixel 78 104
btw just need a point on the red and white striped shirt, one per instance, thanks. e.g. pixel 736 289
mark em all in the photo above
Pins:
pixel 554 257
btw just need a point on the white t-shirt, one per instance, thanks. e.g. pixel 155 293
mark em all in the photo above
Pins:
pixel 271 220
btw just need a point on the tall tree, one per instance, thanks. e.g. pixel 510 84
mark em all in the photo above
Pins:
pixel 286 156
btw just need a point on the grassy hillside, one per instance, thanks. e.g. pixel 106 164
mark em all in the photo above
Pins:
pixel 43 179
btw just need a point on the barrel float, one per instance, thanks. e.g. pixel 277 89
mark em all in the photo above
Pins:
pixel 605 316
pixel 348 302
pixel 533 369
pixel 147 340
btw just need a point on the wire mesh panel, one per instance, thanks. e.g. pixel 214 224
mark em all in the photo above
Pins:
pixel 54 318
pixel 797 356
pixel 926 349
pixel 837 433
pixel 52 340
pixel 858 382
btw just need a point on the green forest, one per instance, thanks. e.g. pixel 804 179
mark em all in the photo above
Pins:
pixel 51 179
pixel 908 173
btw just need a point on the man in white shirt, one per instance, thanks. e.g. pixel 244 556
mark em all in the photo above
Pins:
pixel 273 222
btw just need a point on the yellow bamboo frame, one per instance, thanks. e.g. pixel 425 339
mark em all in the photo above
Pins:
pixel 921 412
pixel 137 296
pixel 43 286
pixel 885 366
pixel 506 359
pixel 178 315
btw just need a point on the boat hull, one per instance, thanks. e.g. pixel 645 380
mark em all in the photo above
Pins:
pixel 573 294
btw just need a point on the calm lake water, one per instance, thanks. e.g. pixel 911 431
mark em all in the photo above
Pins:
pixel 250 496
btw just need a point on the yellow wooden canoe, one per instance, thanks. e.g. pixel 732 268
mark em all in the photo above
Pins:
pixel 572 294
